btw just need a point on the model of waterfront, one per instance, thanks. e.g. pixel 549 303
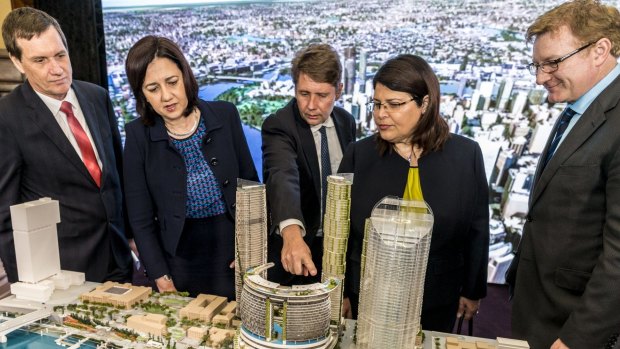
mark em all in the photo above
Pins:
pixel 123 316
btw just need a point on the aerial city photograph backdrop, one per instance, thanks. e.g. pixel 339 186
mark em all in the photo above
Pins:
pixel 240 51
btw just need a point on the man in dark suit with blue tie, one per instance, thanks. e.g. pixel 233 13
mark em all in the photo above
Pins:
pixel 302 144
pixel 567 267
pixel 59 139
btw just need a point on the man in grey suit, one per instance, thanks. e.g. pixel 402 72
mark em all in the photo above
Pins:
pixel 59 139
pixel 566 293
pixel 302 142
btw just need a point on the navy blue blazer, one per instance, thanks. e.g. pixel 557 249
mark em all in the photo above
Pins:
pixel 292 176
pixel 454 186
pixel 37 160
pixel 156 178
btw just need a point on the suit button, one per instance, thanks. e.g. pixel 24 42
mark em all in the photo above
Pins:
pixel 214 161
pixel 528 218
pixel 226 182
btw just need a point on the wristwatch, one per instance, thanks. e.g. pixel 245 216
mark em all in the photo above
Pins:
pixel 167 277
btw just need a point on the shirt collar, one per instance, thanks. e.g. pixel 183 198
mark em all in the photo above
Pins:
pixel 328 123
pixel 54 105
pixel 582 104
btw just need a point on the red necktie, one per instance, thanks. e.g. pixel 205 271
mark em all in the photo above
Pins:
pixel 88 154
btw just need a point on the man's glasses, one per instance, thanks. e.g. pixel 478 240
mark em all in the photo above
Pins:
pixel 391 106
pixel 552 65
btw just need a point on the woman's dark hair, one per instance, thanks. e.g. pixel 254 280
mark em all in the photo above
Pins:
pixel 141 54
pixel 411 74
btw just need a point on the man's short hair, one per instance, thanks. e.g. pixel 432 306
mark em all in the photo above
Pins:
pixel 320 62
pixel 588 20
pixel 25 23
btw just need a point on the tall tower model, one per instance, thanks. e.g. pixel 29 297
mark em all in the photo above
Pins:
pixel 250 230
pixel 36 251
pixel 336 236
pixel 394 258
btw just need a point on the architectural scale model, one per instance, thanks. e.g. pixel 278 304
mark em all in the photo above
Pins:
pixel 336 223
pixel 118 295
pixel 250 229
pixel 36 251
pixel 275 316
pixel 394 258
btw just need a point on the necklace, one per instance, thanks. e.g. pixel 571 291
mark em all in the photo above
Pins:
pixel 411 154
pixel 185 134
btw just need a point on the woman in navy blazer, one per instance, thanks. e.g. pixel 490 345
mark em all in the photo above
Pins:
pixel 183 158
pixel 413 154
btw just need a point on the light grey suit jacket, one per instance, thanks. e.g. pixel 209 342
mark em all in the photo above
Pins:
pixel 569 258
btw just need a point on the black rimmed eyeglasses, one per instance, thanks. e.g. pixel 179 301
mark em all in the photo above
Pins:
pixel 552 65
pixel 390 106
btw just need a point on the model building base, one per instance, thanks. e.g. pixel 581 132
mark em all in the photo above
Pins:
pixel 42 291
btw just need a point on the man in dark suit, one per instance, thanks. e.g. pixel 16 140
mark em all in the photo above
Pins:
pixel 59 139
pixel 302 142
pixel 565 294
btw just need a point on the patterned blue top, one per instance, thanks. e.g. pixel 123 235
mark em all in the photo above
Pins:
pixel 204 195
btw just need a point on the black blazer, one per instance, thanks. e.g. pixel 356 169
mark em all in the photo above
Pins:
pixel 454 186
pixel 37 160
pixel 569 256
pixel 156 178
pixel 291 169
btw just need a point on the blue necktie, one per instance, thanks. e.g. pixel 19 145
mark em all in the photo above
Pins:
pixel 326 167
pixel 564 121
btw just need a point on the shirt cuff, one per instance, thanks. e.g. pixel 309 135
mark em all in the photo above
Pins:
pixel 285 223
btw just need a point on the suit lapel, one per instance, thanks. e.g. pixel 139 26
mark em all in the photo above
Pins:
pixel 587 124
pixel 341 131
pixel 90 115
pixel 43 118
pixel 308 147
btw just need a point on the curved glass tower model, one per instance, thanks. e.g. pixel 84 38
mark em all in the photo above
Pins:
pixel 250 230
pixel 275 316
pixel 394 258
pixel 336 236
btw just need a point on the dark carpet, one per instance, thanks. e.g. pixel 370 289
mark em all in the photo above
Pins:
pixel 493 319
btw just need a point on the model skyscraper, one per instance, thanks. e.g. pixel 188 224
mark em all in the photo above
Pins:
pixel 336 224
pixel 250 229
pixel 36 251
pixel 394 258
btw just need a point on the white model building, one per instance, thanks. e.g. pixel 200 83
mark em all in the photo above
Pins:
pixel 36 239
pixel 36 251
pixel 394 258
pixel 250 229
pixel 336 227
pixel 275 316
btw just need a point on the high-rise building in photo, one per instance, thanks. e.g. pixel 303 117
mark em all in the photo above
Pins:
pixel 250 229
pixel 349 70
pixel 394 258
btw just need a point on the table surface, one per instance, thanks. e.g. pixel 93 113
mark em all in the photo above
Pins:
pixel 347 339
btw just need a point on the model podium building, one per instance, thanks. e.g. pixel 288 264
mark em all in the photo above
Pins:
pixel 394 258
pixel 336 224
pixel 36 251
pixel 275 316
pixel 250 229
